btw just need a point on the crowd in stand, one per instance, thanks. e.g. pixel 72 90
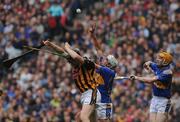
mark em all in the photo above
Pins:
pixel 39 87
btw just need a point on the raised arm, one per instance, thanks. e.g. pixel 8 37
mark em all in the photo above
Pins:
pixel 73 54
pixel 95 41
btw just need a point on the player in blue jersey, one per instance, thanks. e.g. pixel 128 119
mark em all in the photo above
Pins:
pixel 107 72
pixel 161 86
pixel 104 108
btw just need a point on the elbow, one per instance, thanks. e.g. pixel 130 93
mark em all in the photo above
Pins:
pixel 151 80
pixel 75 57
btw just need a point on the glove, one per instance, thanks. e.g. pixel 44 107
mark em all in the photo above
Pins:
pixel 132 77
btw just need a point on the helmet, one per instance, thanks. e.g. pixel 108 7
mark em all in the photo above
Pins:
pixel 112 61
pixel 166 58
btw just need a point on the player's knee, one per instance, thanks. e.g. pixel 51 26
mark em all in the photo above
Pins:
pixel 162 117
pixel 84 117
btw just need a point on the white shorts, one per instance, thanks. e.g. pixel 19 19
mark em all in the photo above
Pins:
pixel 104 110
pixel 90 97
pixel 160 105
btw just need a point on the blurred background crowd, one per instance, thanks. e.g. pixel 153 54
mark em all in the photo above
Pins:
pixel 39 88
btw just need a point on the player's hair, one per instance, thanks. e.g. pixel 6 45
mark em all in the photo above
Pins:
pixel 167 57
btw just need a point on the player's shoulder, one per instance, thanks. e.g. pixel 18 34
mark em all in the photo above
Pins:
pixel 105 68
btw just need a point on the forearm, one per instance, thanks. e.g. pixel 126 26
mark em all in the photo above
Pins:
pixel 56 48
pixel 97 45
pixel 71 52
pixel 146 79
pixel 74 55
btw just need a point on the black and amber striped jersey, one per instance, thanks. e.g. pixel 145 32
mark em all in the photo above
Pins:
pixel 84 76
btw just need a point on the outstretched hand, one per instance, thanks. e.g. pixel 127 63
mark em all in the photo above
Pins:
pixel 46 42
pixel 92 29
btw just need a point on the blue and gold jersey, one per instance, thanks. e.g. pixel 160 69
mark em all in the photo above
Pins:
pixel 106 88
pixel 162 87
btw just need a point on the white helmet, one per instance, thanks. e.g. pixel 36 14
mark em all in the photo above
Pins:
pixel 112 61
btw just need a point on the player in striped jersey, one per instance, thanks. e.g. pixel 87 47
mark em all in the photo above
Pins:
pixel 84 75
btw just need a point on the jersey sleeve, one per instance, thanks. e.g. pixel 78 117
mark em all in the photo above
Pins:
pixel 106 71
pixel 153 66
